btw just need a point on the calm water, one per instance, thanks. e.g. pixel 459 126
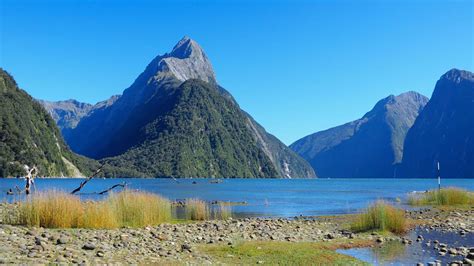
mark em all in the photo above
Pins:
pixel 265 197
pixel 395 253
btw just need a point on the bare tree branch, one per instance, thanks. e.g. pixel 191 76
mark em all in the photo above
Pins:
pixel 83 183
pixel 112 187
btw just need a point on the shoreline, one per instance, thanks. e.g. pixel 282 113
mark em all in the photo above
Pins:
pixel 189 242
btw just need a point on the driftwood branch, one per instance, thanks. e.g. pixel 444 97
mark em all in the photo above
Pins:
pixel 123 185
pixel 83 183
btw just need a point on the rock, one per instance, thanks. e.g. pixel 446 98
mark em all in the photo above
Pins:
pixel 100 254
pixel 61 241
pixel 31 232
pixel 186 247
pixel 260 262
pixel 468 261
pixel 380 240
pixel 88 246
pixel 452 251
pixel 330 236
pixel 38 241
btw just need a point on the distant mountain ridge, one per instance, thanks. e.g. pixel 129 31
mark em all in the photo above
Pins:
pixel 444 131
pixel 68 113
pixel 367 147
pixel 130 132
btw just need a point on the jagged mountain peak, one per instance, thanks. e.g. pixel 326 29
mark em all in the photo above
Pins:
pixel 186 61
pixel 367 147
pixel 187 48
pixel 399 101
pixel 457 75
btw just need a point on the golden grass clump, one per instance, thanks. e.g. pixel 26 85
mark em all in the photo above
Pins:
pixel 137 209
pixel 222 211
pixel 450 196
pixel 196 210
pixel 52 209
pixel 98 215
pixel 56 209
pixel 381 216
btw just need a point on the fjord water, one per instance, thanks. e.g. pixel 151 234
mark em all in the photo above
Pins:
pixel 264 197
pixel 396 253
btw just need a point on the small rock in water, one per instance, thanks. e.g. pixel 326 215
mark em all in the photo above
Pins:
pixel 452 251
pixel 468 261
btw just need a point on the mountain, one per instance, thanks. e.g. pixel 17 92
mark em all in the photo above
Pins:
pixel 444 131
pixel 367 147
pixel 175 120
pixel 67 114
pixel 29 136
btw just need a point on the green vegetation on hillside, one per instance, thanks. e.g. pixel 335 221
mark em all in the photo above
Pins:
pixel 199 134
pixel 369 147
pixel 28 135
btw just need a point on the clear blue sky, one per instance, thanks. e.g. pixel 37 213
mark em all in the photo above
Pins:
pixel 297 66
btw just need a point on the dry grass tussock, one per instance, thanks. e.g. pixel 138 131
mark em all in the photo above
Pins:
pixel 56 209
pixel 381 216
pixel 450 196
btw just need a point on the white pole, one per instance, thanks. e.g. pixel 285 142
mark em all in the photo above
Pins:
pixel 439 178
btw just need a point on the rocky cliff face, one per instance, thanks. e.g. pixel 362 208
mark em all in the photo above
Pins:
pixel 367 147
pixel 132 129
pixel 444 131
